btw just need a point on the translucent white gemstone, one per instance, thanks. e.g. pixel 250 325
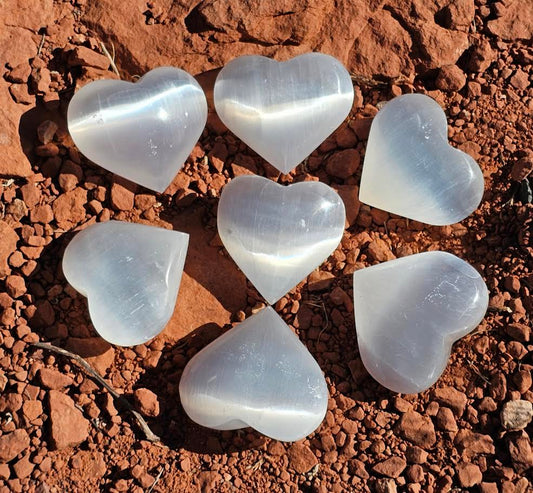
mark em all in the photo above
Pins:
pixel 257 374
pixel 143 131
pixel 411 170
pixel 276 234
pixel 130 274
pixel 409 312
pixel 283 110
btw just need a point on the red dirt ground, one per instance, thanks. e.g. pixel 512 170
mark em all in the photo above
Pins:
pixel 61 432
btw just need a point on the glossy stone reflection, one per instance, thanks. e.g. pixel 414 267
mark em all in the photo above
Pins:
pixel 257 374
pixel 411 170
pixel 277 235
pixel 409 312
pixel 283 110
pixel 130 274
pixel 143 131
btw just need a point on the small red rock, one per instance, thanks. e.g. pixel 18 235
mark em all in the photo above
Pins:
pixel 12 444
pixel 379 250
pixel 416 455
pixel 445 420
pixel 86 57
pixel 122 195
pixel 8 244
pixel 15 286
pixel 42 214
pixel 301 458
pixel 392 467
pixel 68 427
pixel 319 280
pixel 450 78
pixel 23 468
pixel 417 429
pixel 54 380
pixel 46 131
pixel 470 443
pixel 69 208
pixel 468 474
pixel 32 409
pixel 343 164
pixel 521 453
pixel 452 398
pixel 147 402
pixel 71 174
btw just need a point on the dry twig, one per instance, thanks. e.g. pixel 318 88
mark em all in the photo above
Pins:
pixel 111 57
pixel 41 44
pixel 157 478
pixel 148 433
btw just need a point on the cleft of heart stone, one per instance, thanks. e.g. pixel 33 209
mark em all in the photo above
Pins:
pixel 142 131
pixel 278 234
pixel 130 274
pixel 257 374
pixel 283 110
pixel 411 170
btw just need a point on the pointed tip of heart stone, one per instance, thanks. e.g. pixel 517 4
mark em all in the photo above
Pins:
pixel 411 170
pixel 409 312
pixel 257 374
pixel 278 234
pixel 283 110
pixel 130 274
pixel 142 131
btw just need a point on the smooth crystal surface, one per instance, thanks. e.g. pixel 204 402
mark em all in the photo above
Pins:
pixel 142 131
pixel 283 110
pixel 130 274
pixel 409 312
pixel 257 374
pixel 411 170
pixel 278 234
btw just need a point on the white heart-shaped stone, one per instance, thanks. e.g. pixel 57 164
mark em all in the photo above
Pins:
pixel 130 274
pixel 142 131
pixel 257 374
pixel 411 170
pixel 409 312
pixel 283 110
pixel 276 234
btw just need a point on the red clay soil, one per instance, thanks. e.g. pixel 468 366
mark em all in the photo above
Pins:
pixel 60 431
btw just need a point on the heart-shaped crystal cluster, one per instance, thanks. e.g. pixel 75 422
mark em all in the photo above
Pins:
pixel 408 311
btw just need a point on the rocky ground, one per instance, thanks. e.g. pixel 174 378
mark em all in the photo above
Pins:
pixel 60 431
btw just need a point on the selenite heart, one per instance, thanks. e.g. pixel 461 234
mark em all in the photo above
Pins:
pixel 257 374
pixel 409 312
pixel 283 110
pixel 411 170
pixel 130 274
pixel 277 235
pixel 142 131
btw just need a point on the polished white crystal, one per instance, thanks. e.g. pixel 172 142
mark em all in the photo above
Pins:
pixel 130 274
pixel 411 170
pixel 409 312
pixel 283 110
pixel 257 374
pixel 142 131
pixel 278 234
